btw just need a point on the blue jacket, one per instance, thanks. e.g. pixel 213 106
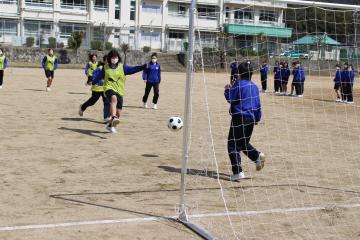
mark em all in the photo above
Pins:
pixel 277 73
pixel 244 99
pixel 96 77
pixel 43 62
pixel 337 78
pixel 153 73
pixel 285 74
pixel 264 70
pixel 234 70
pixel 299 74
pixel 347 76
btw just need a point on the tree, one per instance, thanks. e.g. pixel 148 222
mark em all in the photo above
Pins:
pixel 74 42
pixel 124 48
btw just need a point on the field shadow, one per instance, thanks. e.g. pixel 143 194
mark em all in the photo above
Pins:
pixel 34 90
pixel 132 106
pixel 198 172
pixel 92 133
pixel 149 155
pixel 78 93
pixel 79 119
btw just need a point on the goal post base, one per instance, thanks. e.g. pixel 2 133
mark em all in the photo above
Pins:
pixel 196 229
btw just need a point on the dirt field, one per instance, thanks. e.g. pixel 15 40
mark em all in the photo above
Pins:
pixel 65 177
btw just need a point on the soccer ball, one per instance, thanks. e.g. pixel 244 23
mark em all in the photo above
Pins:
pixel 175 123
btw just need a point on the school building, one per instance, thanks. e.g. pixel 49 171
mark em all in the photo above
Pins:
pixel 159 24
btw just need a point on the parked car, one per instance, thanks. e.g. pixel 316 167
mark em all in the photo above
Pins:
pixel 295 54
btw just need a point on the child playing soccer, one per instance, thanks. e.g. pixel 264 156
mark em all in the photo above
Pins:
pixel 114 74
pixel 152 78
pixel 245 111
pixel 49 64
pixel 285 74
pixel 3 65
pixel 263 76
pixel 97 91
pixel 337 82
pixel 347 82
pixel 299 79
pixel 90 67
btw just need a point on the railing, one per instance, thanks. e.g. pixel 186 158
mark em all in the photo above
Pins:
pixel 73 6
pixel 239 21
pixel 101 8
pixel 39 4
pixel 8 1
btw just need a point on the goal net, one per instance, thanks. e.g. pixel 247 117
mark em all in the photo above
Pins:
pixel 309 187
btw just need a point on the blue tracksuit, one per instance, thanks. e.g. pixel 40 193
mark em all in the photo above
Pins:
pixel 347 78
pixel 152 75
pixel 337 78
pixel 245 109
pixel 277 78
pixel 263 76
pixel 284 75
pixel 298 80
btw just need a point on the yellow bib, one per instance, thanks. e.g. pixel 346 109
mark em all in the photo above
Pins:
pixel 115 79
pixel 2 61
pixel 92 67
pixel 50 61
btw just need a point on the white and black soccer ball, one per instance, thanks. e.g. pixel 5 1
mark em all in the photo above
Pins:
pixel 175 123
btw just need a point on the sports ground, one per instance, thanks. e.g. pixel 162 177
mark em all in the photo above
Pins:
pixel 65 177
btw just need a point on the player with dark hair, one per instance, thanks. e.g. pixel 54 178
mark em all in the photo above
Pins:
pixel 152 78
pixel 90 67
pixel 245 111
pixel 337 82
pixel 49 64
pixel 3 65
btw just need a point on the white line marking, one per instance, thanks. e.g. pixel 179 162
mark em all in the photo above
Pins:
pixel 147 219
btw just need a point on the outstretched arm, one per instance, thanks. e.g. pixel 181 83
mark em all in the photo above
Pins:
pixel 128 70
pixel 43 62
pixel 56 64
pixel 5 63
pixel 87 69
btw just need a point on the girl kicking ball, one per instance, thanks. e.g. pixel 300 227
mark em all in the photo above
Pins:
pixel 114 74
pixel 49 64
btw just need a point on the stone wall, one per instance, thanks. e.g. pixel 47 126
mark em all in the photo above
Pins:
pixel 68 56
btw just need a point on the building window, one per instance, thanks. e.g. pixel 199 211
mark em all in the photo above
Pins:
pixel 227 12
pixel 99 34
pixel 150 36
pixel 73 4
pixel 41 31
pixel 8 27
pixel 8 1
pixel 177 35
pixel 268 16
pixel 207 12
pixel 156 9
pixel 101 4
pixel 246 15
pixel 39 3
pixel 66 29
pixel 117 9
pixel 177 9
pixel 132 9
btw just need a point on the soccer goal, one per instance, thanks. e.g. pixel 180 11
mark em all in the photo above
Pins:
pixel 309 187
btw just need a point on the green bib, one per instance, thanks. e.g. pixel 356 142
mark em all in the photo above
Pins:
pixel 50 61
pixel 92 67
pixel 2 61
pixel 115 79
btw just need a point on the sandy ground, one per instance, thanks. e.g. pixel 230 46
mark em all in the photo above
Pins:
pixel 57 167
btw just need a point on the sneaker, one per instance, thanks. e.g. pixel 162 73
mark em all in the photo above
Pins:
pixel 81 113
pixel 352 102
pixel 300 95
pixel 111 129
pixel 338 100
pixel 0 87
pixel 237 177
pixel 145 105
pixel 260 162
pixel 106 120
pixel 115 121
pixel 155 106
pixel 48 89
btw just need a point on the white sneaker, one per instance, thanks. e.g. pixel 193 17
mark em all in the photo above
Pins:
pixel 0 87
pixel 145 105
pixel 237 177
pixel 300 95
pixel 48 89
pixel 111 129
pixel 338 100
pixel 106 120
pixel 260 162
pixel 155 106
pixel 81 113
pixel 352 102
pixel 115 121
